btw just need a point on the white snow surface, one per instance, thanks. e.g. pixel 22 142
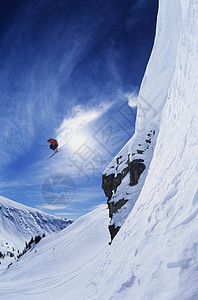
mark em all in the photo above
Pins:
pixel 155 253
pixel 19 223
pixel 58 266
pixel 159 72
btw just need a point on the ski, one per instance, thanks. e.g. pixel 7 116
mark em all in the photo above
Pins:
pixel 54 153
pixel 50 156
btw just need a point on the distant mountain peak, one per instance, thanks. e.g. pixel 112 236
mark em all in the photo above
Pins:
pixel 20 223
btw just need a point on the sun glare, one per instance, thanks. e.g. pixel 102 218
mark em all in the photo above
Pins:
pixel 76 141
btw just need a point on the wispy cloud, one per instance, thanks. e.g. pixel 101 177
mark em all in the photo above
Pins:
pixel 66 214
pixel 75 128
pixel 132 99
pixel 50 207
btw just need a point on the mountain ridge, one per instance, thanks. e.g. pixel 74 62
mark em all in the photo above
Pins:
pixel 19 223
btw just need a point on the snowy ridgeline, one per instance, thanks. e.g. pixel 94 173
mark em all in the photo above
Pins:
pixel 154 254
pixel 19 224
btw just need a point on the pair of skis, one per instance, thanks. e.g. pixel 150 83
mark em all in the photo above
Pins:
pixel 54 153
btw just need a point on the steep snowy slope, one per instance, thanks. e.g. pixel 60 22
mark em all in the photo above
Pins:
pixel 154 88
pixel 155 253
pixel 128 170
pixel 59 265
pixel 19 223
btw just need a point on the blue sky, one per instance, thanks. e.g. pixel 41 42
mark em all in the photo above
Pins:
pixel 68 71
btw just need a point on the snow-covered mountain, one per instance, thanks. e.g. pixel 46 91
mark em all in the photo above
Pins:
pixel 19 223
pixel 57 267
pixel 152 193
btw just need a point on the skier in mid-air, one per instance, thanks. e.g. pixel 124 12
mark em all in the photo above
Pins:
pixel 53 144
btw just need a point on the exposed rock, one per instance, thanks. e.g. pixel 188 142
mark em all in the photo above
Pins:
pixel 113 231
pixel 140 151
pixel 148 141
pixel 126 163
pixel 118 158
pixel 111 182
pixel 136 169
pixel 114 206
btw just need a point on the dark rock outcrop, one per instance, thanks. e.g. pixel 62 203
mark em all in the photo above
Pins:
pixel 136 168
pixel 114 206
pixel 110 184
pixel 133 164
pixel 113 231
pixel 112 181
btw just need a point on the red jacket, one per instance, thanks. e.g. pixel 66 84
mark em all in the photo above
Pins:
pixel 53 142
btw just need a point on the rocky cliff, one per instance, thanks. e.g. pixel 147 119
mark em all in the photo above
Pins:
pixel 128 168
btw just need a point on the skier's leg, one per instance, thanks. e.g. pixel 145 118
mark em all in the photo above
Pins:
pixel 56 148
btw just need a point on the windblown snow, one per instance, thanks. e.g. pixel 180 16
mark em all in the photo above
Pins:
pixel 155 253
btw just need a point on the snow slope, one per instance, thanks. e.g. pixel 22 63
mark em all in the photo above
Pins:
pixel 19 223
pixel 154 88
pixel 153 95
pixel 155 253
pixel 60 264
